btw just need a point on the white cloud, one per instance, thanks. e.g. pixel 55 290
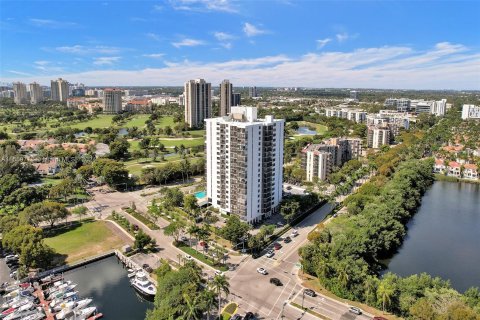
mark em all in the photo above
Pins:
pixel 187 42
pixel 223 36
pixel 344 36
pixel 84 50
pixel 20 73
pixel 42 62
pixel 252 31
pixel 54 24
pixel 157 7
pixel 322 43
pixel 154 55
pixel 204 5
pixel 226 45
pixel 444 66
pixel 100 61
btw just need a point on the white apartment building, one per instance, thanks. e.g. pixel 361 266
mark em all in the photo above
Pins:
pixel 226 91
pixel 439 107
pixel 377 137
pixel 112 101
pixel 470 111
pixel 245 163
pixel 36 93
pixel 356 115
pixel 318 160
pixel 198 102
pixel 20 93
pixel 59 90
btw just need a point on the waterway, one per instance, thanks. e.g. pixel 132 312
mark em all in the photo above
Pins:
pixel 106 282
pixel 443 237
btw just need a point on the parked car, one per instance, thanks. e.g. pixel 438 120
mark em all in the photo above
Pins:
pixel 183 239
pixel 279 224
pixel 277 246
pixel 289 187
pixel 147 268
pixel 287 240
pixel 11 257
pixel 294 233
pixel 355 310
pixel 270 253
pixel 249 316
pixel 262 271
pixel 236 317
pixel 218 273
pixel 276 282
pixel 188 257
pixel 310 292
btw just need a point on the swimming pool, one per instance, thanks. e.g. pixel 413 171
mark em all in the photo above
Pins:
pixel 200 194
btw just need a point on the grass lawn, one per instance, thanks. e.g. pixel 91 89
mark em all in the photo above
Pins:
pixel 84 240
pixel 101 121
pixel 165 121
pixel 137 121
pixel 51 181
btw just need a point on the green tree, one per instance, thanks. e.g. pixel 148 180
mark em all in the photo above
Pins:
pixel 46 211
pixel 80 211
pixel 234 229
pixel 289 209
pixel 142 240
pixel 174 229
pixel 219 284
pixel 119 149
pixel 190 203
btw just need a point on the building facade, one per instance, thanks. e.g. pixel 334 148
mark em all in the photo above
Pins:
pixel 112 101
pixel 198 102
pixel 245 163
pixel 236 99
pixel 318 160
pixel 20 93
pixel 377 137
pixel 226 91
pixel 252 92
pixel 59 90
pixel 470 111
pixel 36 93
pixel 353 114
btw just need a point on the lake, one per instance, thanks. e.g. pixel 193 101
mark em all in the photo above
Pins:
pixel 443 237
pixel 106 282
pixel 305 130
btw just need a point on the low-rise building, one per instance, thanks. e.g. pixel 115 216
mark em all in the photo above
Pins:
pixel 470 171
pixel 454 169
pixel 139 105
pixel 48 168
pixel 343 111
pixel 439 166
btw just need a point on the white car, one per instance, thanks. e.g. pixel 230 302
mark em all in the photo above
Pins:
pixel 218 273
pixel 270 253
pixel 188 257
pixel 294 233
pixel 262 271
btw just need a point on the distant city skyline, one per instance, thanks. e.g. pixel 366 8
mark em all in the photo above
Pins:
pixel 394 44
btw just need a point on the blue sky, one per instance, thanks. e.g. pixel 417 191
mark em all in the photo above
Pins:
pixel 364 44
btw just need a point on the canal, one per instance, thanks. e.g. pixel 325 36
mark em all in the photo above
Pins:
pixel 443 237
pixel 106 282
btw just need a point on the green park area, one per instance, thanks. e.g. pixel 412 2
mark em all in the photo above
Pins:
pixel 82 240
pixel 320 128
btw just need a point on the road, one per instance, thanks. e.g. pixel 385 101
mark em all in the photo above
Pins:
pixel 253 291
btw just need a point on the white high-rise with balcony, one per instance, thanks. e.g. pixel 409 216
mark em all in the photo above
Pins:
pixel 470 111
pixel 245 163
pixel 20 93
pixel 59 90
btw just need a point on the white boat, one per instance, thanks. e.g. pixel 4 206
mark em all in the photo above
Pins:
pixel 59 293
pixel 72 307
pixel 64 305
pixel 21 315
pixel 66 297
pixel 35 316
pixel 144 286
pixel 62 287
pixel 83 314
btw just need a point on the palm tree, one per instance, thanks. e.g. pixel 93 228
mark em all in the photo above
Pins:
pixel 385 292
pixel 210 301
pixel 192 308
pixel 192 232
pixel 220 285
pixel 370 285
